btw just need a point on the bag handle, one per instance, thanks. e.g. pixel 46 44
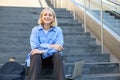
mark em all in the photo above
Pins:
pixel 12 59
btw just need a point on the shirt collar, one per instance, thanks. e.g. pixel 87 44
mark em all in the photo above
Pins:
pixel 52 28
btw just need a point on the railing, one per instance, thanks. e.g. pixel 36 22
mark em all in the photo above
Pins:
pixel 114 2
pixel 98 9
pixel 40 3
pixel 114 5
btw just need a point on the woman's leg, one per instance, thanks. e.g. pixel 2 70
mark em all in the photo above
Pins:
pixel 58 67
pixel 35 67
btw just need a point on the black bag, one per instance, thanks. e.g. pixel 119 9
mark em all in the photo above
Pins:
pixel 12 71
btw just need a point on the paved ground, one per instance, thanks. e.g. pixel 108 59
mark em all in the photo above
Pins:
pixel 23 3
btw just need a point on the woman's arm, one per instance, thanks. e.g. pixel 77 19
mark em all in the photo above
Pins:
pixel 57 46
pixel 59 41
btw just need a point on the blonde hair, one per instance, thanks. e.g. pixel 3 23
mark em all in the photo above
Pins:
pixel 54 23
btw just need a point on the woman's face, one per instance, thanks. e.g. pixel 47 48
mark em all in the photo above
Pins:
pixel 47 17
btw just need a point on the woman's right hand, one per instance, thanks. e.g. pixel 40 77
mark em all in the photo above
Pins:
pixel 37 51
pixel 57 47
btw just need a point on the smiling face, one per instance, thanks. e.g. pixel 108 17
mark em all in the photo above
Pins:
pixel 47 17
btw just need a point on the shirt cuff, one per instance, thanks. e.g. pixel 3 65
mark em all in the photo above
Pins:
pixel 45 54
pixel 45 45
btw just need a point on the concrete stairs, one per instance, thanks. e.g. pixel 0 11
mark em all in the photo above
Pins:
pixel 15 28
pixel 111 19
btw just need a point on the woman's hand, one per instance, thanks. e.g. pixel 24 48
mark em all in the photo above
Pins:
pixel 37 51
pixel 57 47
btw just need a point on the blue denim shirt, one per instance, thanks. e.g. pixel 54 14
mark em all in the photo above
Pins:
pixel 39 39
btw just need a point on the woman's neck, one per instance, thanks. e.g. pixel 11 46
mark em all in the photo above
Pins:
pixel 47 26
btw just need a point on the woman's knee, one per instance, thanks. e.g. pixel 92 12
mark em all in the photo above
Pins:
pixel 58 55
pixel 36 57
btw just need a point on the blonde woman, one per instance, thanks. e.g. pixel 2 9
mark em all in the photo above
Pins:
pixel 46 42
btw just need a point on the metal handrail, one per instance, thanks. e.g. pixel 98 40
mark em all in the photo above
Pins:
pixel 114 11
pixel 40 3
pixel 114 2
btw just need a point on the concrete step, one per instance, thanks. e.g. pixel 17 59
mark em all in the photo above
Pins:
pixel 25 9
pixel 34 19
pixel 103 12
pixel 112 20
pixel 91 58
pixel 26 35
pixel 64 54
pixel 115 27
pixel 30 12
pixel 109 76
pixel 82 49
pixel 15 49
pixel 105 15
pixel 94 68
pixel 101 70
pixel 76 36
pixel 19 26
pixel 106 76
pixel 19 58
pixel 64 29
pixel 3 14
pixel 29 18
pixel 88 68
pixel 35 22
pixel 114 13
pixel 82 41
pixel 21 41
pixel 113 24
pixel 112 76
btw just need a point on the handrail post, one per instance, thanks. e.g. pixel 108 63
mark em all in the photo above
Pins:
pixel 101 17
pixel 85 15
pixel 89 4
pixel 67 4
pixel 60 3
pixel 52 2
pixel 57 4
pixel 74 10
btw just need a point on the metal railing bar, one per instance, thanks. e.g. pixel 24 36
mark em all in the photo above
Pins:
pixel 114 2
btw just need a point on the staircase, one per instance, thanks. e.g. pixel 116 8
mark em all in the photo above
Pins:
pixel 111 19
pixel 15 28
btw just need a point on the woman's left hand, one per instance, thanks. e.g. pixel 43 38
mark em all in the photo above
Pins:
pixel 37 51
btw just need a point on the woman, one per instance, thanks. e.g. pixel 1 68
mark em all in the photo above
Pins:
pixel 46 42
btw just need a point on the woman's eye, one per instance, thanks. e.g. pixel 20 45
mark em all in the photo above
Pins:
pixel 45 15
pixel 50 15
